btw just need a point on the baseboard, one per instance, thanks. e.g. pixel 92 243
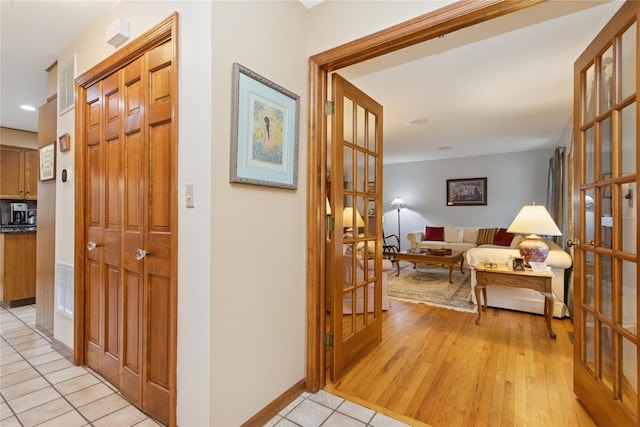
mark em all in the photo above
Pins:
pixel 281 402
pixel 61 348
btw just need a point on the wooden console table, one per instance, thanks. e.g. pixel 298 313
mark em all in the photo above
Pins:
pixel 499 274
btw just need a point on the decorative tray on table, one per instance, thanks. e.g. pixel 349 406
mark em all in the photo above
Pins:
pixel 440 252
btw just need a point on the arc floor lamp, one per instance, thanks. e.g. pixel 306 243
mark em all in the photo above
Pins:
pixel 398 204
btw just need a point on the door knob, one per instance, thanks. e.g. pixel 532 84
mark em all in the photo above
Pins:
pixel 92 245
pixel 574 242
pixel 140 254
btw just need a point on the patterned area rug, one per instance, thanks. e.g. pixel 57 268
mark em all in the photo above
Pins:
pixel 430 285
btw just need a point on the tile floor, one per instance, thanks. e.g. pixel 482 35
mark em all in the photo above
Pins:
pixel 39 387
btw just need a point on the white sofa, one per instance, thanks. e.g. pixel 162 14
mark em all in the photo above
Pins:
pixel 518 299
pixel 462 239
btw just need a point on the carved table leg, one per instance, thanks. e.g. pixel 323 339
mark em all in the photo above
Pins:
pixel 548 313
pixel 479 302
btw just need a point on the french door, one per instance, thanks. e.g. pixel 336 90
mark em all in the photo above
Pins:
pixel 356 243
pixel 128 211
pixel 606 220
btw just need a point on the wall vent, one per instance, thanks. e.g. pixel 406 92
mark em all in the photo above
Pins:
pixel 64 289
pixel 66 74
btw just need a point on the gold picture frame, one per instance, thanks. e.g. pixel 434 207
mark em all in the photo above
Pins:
pixel 65 142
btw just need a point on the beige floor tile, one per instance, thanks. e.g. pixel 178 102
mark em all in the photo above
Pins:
pixel 17 332
pixel 10 358
pixel 32 343
pixel 89 394
pixel 31 400
pixel 5 411
pixel 11 422
pixel 45 358
pixel 47 368
pixel 149 422
pixel 102 407
pixel 75 384
pixel 66 374
pixel 12 378
pixel 45 412
pixel 70 419
pixel 24 387
pixel 14 367
pixel 22 335
pixel 127 416
pixel 37 351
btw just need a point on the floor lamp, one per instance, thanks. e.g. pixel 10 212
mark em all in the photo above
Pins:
pixel 398 204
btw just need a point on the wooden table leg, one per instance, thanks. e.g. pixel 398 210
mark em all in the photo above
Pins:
pixel 479 302
pixel 548 313
pixel 398 266
pixel 461 262
pixel 450 271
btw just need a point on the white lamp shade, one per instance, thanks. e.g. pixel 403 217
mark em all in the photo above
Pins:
pixel 398 203
pixel 347 217
pixel 534 219
pixel 328 208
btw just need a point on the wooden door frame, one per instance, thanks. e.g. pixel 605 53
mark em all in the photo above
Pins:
pixel 439 22
pixel 159 34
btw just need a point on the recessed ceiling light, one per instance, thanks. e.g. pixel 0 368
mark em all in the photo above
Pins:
pixel 416 122
pixel 28 107
pixel 445 147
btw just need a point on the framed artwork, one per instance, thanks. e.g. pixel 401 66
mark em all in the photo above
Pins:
pixel 65 143
pixel 467 192
pixel 371 187
pixel 48 162
pixel 264 131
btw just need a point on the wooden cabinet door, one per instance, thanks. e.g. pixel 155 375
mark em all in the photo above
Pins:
pixel 18 281
pixel 11 173
pixel 31 174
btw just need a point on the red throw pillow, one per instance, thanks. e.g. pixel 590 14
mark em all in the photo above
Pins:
pixel 503 238
pixel 434 234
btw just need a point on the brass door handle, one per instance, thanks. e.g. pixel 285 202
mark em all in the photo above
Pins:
pixel 574 242
pixel 92 245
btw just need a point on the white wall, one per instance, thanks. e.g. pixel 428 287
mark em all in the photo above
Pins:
pixel 258 248
pixel 513 180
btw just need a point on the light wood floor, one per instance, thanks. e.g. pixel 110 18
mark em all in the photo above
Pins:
pixel 437 366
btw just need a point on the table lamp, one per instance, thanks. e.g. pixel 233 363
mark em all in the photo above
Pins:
pixel 534 221
pixel 348 218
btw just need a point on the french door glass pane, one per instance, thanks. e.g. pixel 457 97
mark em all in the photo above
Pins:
pixel 629 218
pixel 372 128
pixel 589 342
pixel 606 286
pixel 606 80
pixel 361 178
pixel 629 315
pixel 348 169
pixel 606 217
pixel 589 279
pixel 606 356
pixel 628 61
pixel 589 216
pixel 590 96
pixel 628 140
pixel 360 126
pixel 629 383
pixel 605 150
pixel 589 150
pixel 348 131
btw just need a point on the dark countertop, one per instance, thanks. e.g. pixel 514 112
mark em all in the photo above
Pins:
pixel 9 228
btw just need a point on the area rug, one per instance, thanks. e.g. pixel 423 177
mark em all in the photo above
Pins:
pixel 430 285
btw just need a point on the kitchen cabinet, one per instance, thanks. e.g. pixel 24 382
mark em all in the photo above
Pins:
pixel 20 173
pixel 17 269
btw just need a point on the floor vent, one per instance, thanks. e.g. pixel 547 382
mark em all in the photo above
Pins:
pixel 64 289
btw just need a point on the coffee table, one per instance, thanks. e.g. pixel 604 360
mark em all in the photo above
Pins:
pixel 431 258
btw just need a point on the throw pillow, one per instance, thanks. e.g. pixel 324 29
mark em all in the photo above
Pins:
pixel 434 234
pixel 503 238
pixel 486 235
pixel 453 234
pixel 470 235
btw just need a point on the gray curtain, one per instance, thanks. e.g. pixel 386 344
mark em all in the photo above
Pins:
pixel 555 190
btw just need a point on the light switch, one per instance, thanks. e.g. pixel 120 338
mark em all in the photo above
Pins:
pixel 189 193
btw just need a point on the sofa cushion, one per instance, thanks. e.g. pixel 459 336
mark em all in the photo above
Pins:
pixel 463 247
pixel 470 235
pixel 434 234
pixel 503 238
pixel 453 234
pixel 486 236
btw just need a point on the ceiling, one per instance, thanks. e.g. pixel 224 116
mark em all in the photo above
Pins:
pixel 501 86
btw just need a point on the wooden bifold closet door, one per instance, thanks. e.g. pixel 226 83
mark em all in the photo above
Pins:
pixel 129 212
